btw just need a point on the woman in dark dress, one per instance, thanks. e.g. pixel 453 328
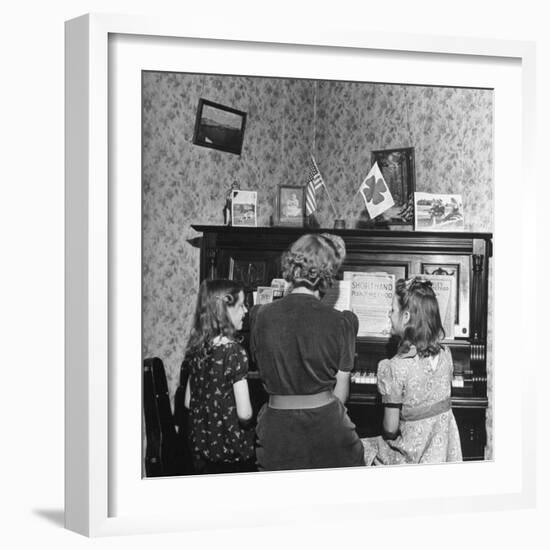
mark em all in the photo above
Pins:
pixel 304 350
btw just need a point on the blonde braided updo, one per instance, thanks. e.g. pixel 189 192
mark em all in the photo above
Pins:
pixel 313 261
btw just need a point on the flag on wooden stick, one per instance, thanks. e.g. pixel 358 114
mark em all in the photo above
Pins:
pixel 375 192
pixel 314 182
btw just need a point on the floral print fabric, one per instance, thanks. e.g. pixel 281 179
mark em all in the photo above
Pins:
pixel 417 383
pixel 216 435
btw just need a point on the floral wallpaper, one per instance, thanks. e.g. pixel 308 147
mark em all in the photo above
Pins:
pixel 451 130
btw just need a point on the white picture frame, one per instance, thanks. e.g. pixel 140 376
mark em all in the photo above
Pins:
pixel 438 212
pixel 103 427
pixel 244 208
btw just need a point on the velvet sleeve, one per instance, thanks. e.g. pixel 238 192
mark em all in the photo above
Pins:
pixel 349 325
pixel 252 317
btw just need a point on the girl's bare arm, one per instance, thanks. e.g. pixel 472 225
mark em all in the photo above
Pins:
pixel 390 423
pixel 242 400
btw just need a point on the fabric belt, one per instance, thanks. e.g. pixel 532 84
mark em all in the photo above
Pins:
pixel 420 413
pixel 301 401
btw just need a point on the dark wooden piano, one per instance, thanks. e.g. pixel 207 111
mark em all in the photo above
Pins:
pixel 252 255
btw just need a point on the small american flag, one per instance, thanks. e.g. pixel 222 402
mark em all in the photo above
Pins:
pixel 314 182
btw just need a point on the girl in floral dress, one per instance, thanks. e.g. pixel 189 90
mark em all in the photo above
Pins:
pixel 415 385
pixel 214 373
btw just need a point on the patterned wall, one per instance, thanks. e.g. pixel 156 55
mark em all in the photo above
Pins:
pixel 340 122
pixel 449 128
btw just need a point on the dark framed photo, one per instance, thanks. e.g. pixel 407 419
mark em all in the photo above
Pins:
pixel 291 205
pixel 397 167
pixel 219 127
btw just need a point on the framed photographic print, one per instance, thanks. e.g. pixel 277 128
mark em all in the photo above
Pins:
pixel 438 212
pixel 397 167
pixel 106 58
pixel 219 127
pixel 291 205
pixel 243 208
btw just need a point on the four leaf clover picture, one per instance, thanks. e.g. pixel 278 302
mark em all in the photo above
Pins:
pixel 375 192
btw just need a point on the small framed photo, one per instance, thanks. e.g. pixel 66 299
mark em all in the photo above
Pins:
pixel 243 208
pixel 438 212
pixel 219 127
pixel 291 205
pixel 397 167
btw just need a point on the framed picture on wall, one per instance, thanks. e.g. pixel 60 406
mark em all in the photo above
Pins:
pixel 219 127
pixel 291 205
pixel 397 167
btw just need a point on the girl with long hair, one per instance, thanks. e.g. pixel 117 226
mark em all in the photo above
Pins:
pixel 415 384
pixel 214 373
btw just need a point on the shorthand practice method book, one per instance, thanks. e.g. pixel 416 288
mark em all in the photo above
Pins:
pixel 370 296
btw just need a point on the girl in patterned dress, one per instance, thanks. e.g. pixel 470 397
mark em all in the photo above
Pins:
pixel 415 385
pixel 214 373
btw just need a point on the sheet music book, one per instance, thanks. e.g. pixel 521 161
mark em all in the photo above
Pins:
pixel 264 295
pixel 339 295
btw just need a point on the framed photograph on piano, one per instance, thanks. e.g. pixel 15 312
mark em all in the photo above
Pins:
pixel 106 214
pixel 291 205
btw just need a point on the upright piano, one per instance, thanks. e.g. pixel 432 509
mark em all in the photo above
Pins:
pixel 252 255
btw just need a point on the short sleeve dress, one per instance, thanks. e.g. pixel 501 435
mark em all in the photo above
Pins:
pixel 299 345
pixel 216 435
pixel 421 388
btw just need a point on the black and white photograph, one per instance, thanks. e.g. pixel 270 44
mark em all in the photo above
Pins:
pixel 219 127
pixel 398 168
pixel 291 205
pixel 438 212
pixel 243 208
pixel 260 384
pixel 262 345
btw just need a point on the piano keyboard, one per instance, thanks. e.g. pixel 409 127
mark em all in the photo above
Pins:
pixel 363 377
